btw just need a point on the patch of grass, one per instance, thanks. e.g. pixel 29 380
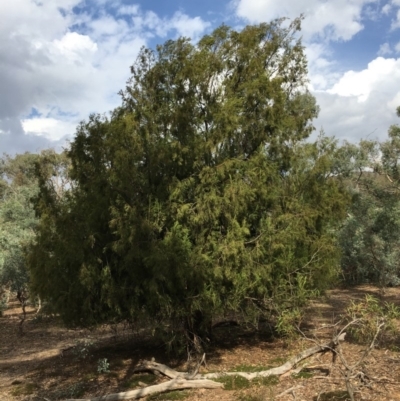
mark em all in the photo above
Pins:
pixel 134 381
pixel 74 390
pixel 277 361
pixel 89 377
pixel 24 389
pixel 333 396
pixel 303 375
pixel 266 381
pixel 234 382
pixel 394 348
pixel 171 396
pixel 250 368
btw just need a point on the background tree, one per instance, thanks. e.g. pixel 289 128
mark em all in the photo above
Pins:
pixel 373 224
pixel 198 195
pixel 17 222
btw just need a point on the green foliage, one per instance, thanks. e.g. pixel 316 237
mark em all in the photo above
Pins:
pixel 287 322
pixel 83 348
pixel 103 366
pixel 17 221
pixel 369 236
pixel 368 315
pixel 198 195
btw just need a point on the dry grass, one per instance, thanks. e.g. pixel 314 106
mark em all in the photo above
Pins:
pixel 50 361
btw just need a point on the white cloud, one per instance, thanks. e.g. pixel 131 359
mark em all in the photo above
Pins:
pixel 74 46
pixel 396 22
pixel 334 19
pixel 50 128
pixel 128 10
pixel 189 27
pixel 384 49
pixel 381 74
pixel 181 23
pixel 68 65
pixel 322 73
pixel 362 103
pixel 386 9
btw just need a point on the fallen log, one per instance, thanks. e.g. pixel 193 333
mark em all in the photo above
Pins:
pixel 185 380
pixel 175 384
pixel 278 371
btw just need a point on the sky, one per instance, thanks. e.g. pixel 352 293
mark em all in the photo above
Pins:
pixel 61 60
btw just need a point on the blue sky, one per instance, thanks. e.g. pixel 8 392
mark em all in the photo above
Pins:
pixel 61 60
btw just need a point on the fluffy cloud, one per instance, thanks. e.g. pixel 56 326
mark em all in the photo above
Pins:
pixel 384 49
pixel 335 19
pixel 362 103
pixel 353 104
pixel 67 60
pixel 382 74
pixel 49 128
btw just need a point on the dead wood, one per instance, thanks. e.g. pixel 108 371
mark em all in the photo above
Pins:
pixel 278 371
pixel 184 380
pixel 175 384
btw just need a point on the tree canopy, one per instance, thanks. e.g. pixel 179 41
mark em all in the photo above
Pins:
pixel 198 195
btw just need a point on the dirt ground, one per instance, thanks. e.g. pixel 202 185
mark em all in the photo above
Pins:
pixel 49 362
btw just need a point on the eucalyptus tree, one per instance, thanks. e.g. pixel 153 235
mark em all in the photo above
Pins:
pixel 17 223
pixel 198 195
pixel 369 237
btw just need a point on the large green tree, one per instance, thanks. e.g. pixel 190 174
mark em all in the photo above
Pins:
pixel 198 195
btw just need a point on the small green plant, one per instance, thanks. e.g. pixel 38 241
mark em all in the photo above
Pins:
pixel 369 317
pixel 82 348
pixel 287 323
pixel 103 366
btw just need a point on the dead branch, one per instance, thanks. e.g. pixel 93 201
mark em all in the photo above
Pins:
pixel 175 384
pixel 286 367
pixel 184 380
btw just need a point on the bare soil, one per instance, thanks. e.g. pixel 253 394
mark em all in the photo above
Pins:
pixel 49 362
